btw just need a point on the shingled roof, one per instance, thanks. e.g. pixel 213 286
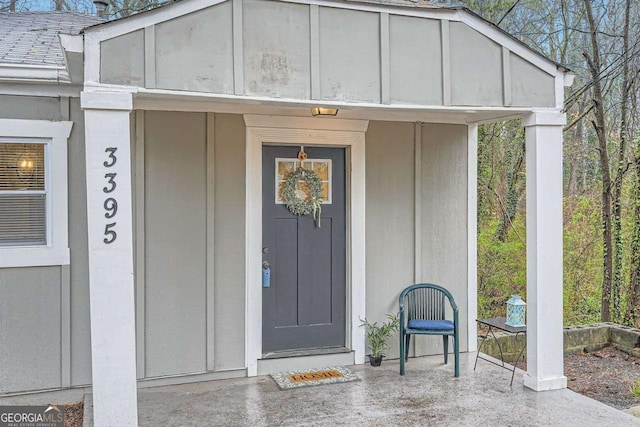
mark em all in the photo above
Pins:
pixel 31 38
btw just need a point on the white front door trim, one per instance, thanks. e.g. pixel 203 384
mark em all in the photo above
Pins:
pixel 304 131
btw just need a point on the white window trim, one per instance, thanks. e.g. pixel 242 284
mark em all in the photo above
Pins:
pixel 56 252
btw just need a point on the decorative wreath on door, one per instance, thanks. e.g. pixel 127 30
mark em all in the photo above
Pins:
pixel 310 205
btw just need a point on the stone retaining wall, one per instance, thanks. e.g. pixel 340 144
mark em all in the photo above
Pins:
pixel 577 339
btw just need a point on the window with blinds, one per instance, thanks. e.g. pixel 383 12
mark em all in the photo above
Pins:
pixel 23 194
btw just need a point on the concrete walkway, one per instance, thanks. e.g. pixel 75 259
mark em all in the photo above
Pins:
pixel 429 395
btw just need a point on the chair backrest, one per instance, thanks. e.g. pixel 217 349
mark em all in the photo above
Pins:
pixel 425 301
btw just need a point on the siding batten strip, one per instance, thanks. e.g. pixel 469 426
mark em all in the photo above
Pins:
pixel 417 275
pixel 314 29
pixel 385 80
pixel 210 275
pixel 506 76
pixel 65 325
pixel 140 252
pixel 238 49
pixel 64 108
pixel 150 57
pixel 446 62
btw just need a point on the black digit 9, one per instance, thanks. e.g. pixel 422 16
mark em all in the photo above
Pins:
pixel 111 206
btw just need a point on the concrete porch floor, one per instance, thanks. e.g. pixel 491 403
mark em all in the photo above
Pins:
pixel 428 395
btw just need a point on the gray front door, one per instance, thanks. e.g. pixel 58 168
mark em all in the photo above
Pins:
pixel 304 306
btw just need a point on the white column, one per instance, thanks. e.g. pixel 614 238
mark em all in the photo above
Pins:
pixel 109 213
pixel 545 366
pixel 472 237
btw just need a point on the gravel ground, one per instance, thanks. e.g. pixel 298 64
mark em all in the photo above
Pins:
pixel 606 375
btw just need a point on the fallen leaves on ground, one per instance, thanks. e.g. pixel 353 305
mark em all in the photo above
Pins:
pixel 605 375
pixel 73 414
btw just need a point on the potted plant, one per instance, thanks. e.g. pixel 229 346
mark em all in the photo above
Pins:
pixel 377 336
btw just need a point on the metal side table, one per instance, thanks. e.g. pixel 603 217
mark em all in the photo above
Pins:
pixel 500 323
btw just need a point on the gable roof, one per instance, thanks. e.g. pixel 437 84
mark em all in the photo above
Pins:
pixel 402 4
pixel 31 38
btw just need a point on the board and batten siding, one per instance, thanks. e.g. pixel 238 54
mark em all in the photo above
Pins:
pixel 175 243
pixel 302 51
pixel 45 333
pixel 230 240
pixel 444 214
pixel 389 211
pixel 391 218
pixel 177 278
pixel 45 337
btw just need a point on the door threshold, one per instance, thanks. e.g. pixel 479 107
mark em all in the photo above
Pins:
pixel 311 358
pixel 305 352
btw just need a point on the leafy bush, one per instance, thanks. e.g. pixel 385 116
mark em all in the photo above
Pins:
pixel 502 268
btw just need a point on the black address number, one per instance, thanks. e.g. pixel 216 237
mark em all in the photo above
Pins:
pixel 110 204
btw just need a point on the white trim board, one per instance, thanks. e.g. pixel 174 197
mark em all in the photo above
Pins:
pixel 311 132
pixel 56 252
pixel 472 237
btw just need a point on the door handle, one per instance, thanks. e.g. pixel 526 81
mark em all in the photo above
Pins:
pixel 266 275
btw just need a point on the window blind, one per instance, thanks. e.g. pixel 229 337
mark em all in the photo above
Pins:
pixel 23 197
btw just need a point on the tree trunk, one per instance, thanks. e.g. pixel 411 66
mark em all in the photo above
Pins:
pixel 617 283
pixel 595 66
pixel 515 160
pixel 633 299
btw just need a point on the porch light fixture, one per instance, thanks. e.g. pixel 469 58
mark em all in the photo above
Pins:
pixel 516 311
pixel 323 111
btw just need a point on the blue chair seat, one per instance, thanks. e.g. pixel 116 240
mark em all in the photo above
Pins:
pixel 432 325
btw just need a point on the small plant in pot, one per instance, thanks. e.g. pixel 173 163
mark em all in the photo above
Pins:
pixel 378 335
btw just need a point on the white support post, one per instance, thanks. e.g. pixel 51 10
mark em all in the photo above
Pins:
pixel 545 366
pixel 109 215
pixel 472 237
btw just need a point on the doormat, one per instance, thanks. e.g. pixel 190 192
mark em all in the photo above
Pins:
pixel 310 377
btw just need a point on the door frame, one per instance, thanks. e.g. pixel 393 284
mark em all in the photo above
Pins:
pixel 308 131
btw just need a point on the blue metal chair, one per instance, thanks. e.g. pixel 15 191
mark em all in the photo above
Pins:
pixel 422 312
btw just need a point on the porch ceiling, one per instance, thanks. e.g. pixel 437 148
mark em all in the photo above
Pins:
pixel 195 102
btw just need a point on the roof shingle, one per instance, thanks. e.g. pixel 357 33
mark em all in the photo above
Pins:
pixel 31 38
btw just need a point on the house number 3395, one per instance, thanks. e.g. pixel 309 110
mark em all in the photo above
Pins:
pixel 110 203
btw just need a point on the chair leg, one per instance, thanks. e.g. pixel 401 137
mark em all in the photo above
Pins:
pixel 406 347
pixel 456 354
pixel 445 342
pixel 401 351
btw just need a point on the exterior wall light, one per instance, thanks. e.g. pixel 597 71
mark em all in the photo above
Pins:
pixel 322 111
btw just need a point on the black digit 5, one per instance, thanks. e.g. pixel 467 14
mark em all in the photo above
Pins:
pixel 111 234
